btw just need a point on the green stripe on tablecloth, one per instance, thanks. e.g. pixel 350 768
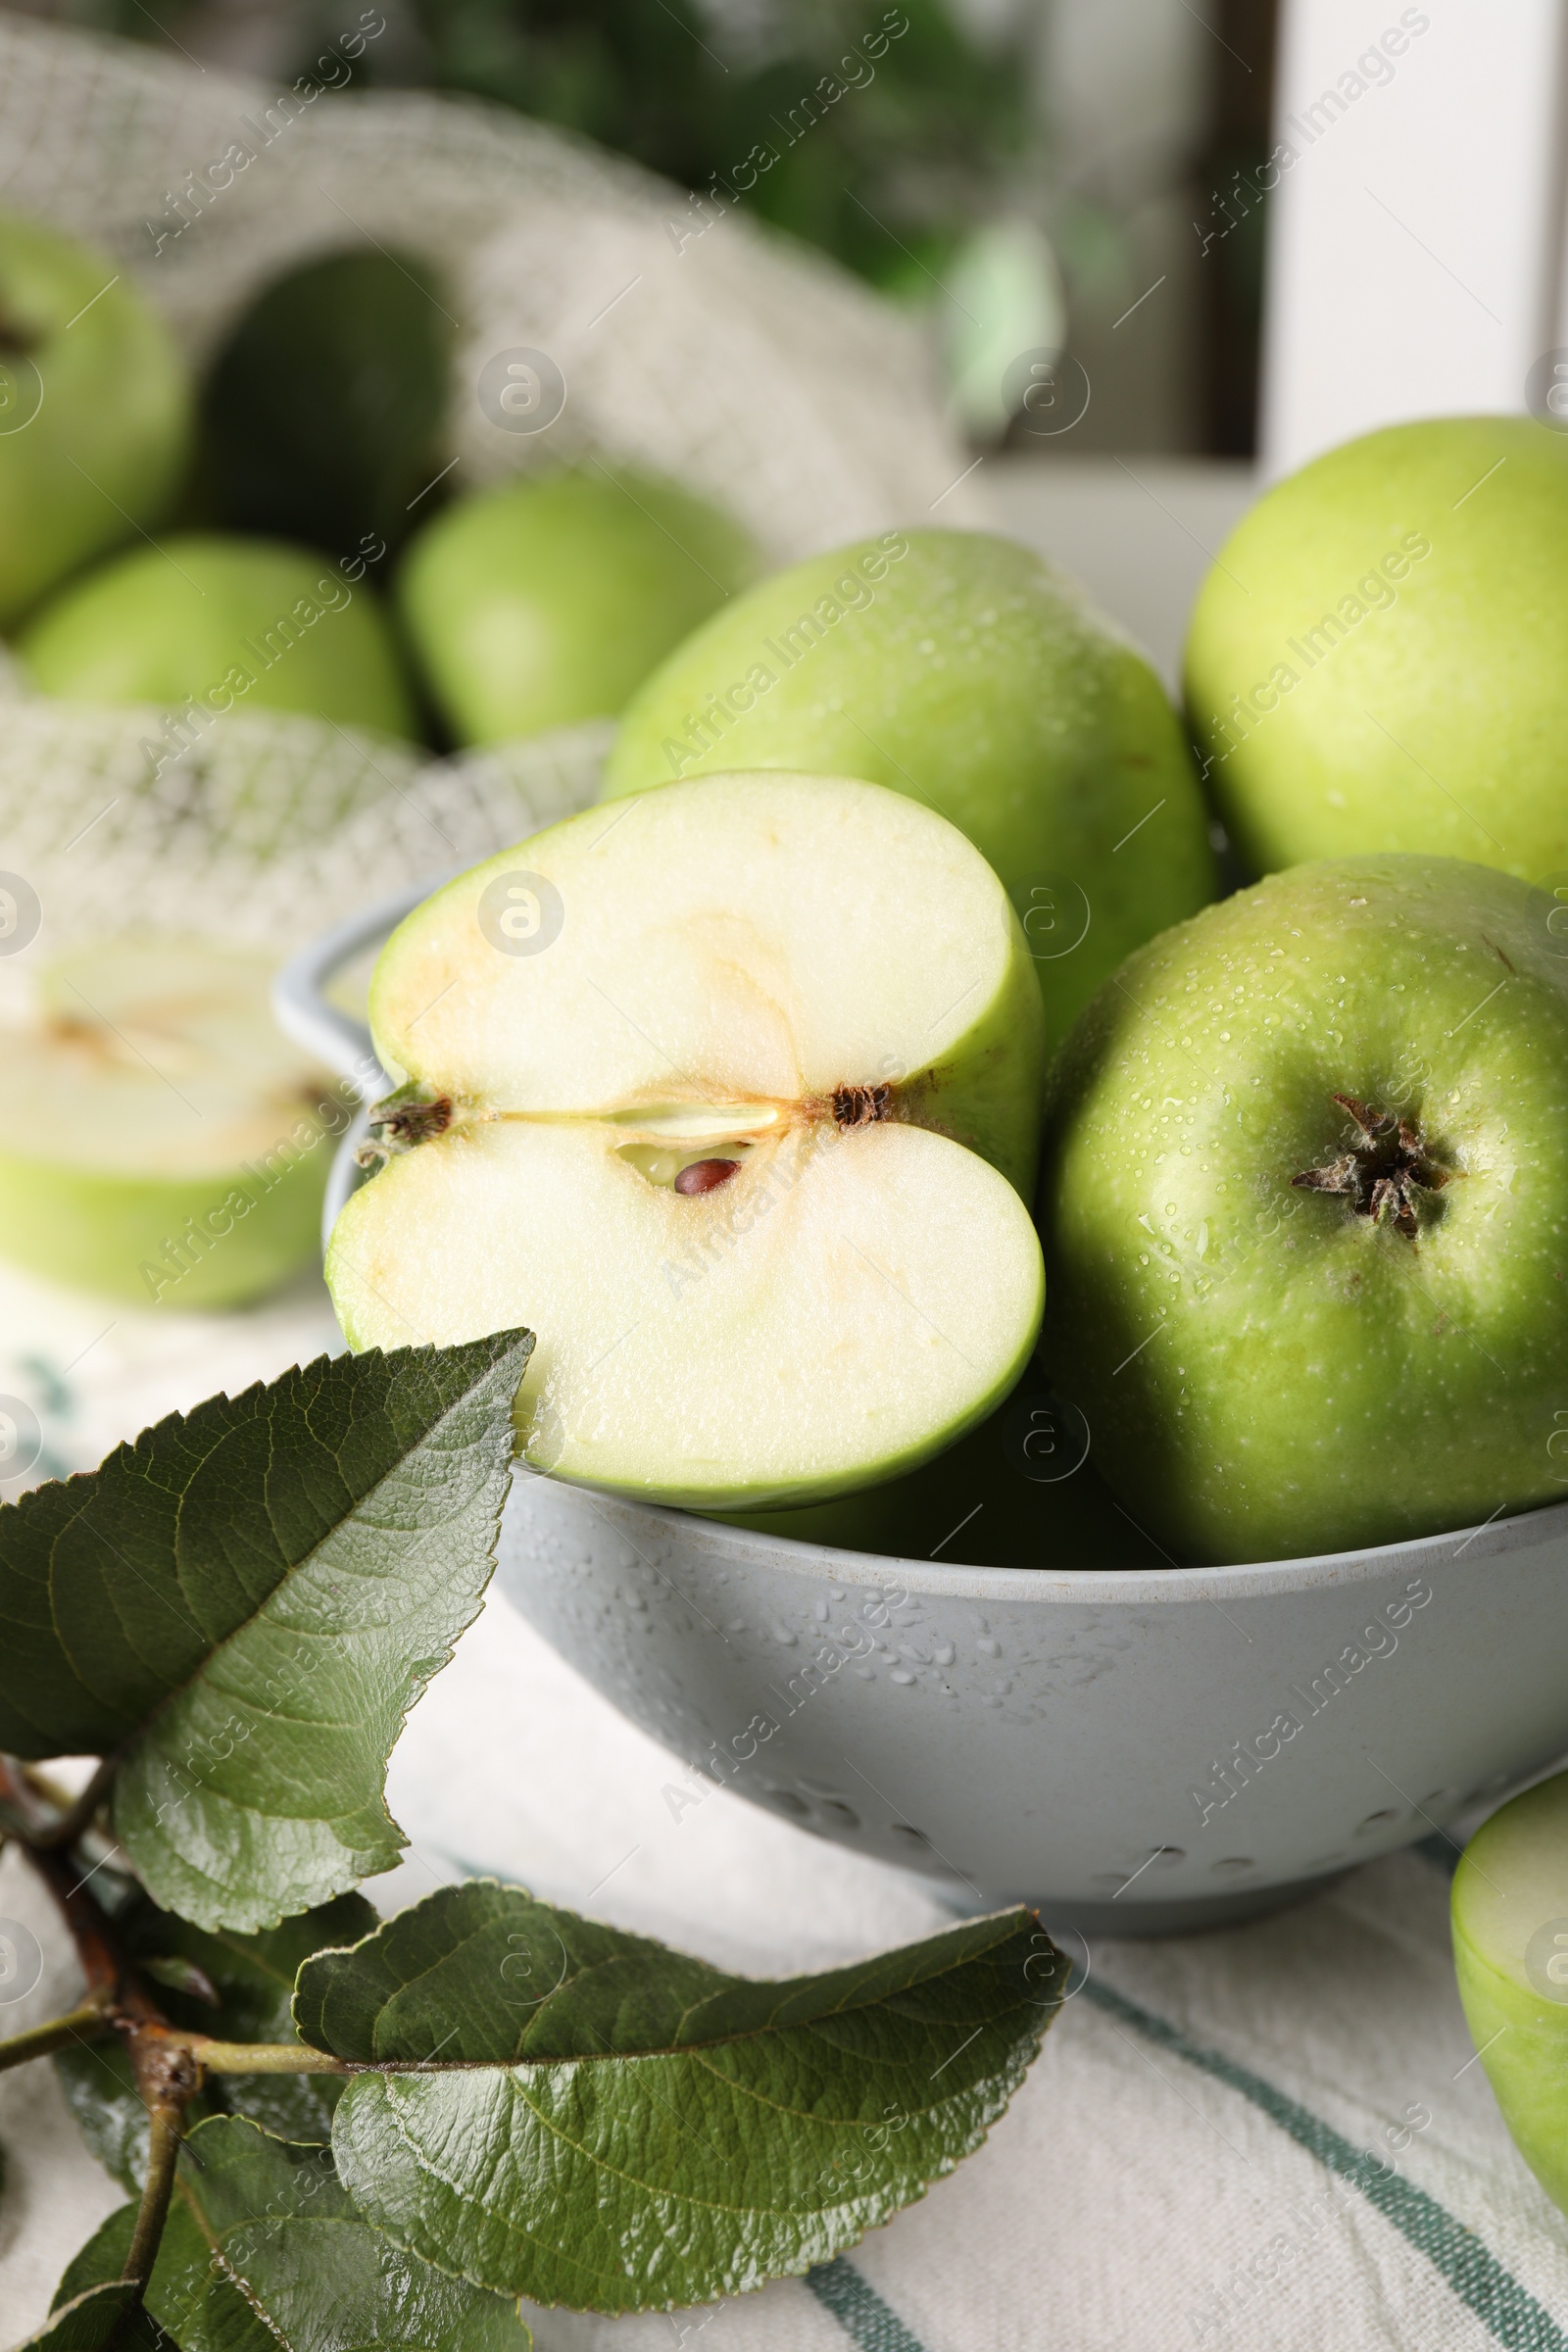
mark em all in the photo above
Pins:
pixel 1475 2276
pixel 860 2310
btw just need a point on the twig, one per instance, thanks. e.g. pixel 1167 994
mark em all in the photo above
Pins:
pixel 163 2154
pixel 90 2023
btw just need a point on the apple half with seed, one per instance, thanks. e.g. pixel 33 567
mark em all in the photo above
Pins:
pixel 732 1095
pixel 171 1147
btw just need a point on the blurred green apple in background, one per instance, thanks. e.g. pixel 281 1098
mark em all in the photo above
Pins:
pixel 542 602
pixel 170 1145
pixel 229 623
pixel 323 414
pixel 1511 1951
pixel 94 411
pixel 1305 1207
pixel 962 669
pixel 1378 659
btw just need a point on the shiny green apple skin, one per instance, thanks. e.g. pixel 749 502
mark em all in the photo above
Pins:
pixel 541 602
pixel 962 669
pixel 105 450
pixel 1375 661
pixel 1267 1373
pixel 236 623
pixel 1510 1933
pixel 977 1506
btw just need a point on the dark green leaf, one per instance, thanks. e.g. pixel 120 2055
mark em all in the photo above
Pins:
pixel 253 1977
pixel 108 2109
pixel 626 2128
pixel 104 2316
pixel 296 2268
pixel 247 1601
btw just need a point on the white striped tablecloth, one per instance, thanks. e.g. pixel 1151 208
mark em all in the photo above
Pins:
pixel 1272 2139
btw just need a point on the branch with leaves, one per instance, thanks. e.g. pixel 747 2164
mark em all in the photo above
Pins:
pixel 338 2130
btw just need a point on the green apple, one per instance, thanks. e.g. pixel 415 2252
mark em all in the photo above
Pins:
pixel 1511 1951
pixel 94 409
pixel 730 1096
pixel 323 416
pixel 1304 1205
pixel 223 623
pixel 1375 662
pixel 1018 1492
pixel 544 602
pixel 963 671
pixel 167 1145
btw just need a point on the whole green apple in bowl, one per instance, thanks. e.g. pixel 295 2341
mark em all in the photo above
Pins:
pixel 1375 661
pixel 224 622
pixel 542 602
pixel 96 411
pixel 963 671
pixel 1304 1204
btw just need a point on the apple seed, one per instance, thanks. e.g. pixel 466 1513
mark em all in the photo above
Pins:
pixel 706 1175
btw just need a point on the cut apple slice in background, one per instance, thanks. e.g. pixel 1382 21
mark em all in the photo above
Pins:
pixel 168 1145
pixel 729 1095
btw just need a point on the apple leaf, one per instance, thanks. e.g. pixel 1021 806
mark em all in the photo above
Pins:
pixel 614 2127
pixel 245 1603
pixel 262 2249
pixel 253 1979
pixel 101 2318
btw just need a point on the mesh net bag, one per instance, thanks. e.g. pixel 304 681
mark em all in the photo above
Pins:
pixel 738 364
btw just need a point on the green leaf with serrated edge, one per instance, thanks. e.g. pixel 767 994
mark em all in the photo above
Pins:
pixel 247 1601
pixel 253 1977
pixel 263 2250
pixel 103 2318
pixel 614 2127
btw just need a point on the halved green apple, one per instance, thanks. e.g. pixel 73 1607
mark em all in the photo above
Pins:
pixel 168 1145
pixel 730 1093
pixel 1510 1952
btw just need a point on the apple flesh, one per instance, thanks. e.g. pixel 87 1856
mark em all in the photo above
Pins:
pixel 1375 661
pixel 109 433
pixel 730 1096
pixel 963 671
pixel 167 1145
pixel 228 623
pixel 1305 1207
pixel 542 603
pixel 1510 1952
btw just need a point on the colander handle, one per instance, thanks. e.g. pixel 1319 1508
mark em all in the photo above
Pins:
pixel 302 1009
pixel 305 1015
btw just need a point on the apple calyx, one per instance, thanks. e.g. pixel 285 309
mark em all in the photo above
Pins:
pixel 861 1106
pixel 1383 1172
pixel 401 1121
